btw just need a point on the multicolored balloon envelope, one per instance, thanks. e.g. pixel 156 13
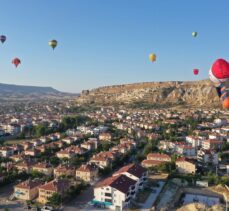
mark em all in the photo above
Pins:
pixel 2 38
pixel 16 62
pixel 53 43
pixel 196 71
pixel 152 57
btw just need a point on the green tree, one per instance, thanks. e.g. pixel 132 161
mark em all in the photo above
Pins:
pixel 55 161
pixel 55 200
pixel 225 146
pixel 36 174
pixel 147 149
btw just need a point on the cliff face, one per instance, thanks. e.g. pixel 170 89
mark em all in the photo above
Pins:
pixel 195 93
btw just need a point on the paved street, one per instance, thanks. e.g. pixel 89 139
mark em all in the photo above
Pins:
pixel 152 197
pixel 5 192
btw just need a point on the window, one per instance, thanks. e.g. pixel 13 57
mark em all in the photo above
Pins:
pixel 101 193
pixel 108 194
pixel 108 200
pixel 107 188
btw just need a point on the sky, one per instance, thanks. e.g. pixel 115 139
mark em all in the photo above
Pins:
pixel 108 42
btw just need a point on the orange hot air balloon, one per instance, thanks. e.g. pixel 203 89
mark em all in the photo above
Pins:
pixel 16 62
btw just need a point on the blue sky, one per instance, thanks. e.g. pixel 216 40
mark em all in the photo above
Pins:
pixel 106 42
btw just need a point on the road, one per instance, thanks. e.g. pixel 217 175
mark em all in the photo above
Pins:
pixel 5 192
pixel 152 197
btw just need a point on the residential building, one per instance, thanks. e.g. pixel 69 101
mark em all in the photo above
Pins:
pixel 32 152
pixel 154 159
pixel 212 144
pixel 135 172
pixel 207 157
pixel 87 172
pixel 185 166
pixel 6 152
pixel 27 190
pixel 64 170
pixel 186 150
pixel 105 137
pixel 43 168
pixel 60 186
pixel 115 192
pixel 24 166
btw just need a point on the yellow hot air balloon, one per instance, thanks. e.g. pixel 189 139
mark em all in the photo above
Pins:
pixel 152 57
pixel 53 43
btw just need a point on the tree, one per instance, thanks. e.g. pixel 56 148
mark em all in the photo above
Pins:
pixel 225 146
pixel 147 149
pixel 55 161
pixel 105 171
pixel 55 200
pixel 166 167
pixel 36 174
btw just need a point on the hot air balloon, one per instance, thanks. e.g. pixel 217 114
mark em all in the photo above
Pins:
pixel 152 57
pixel 196 71
pixel 194 34
pixel 16 62
pixel 53 43
pixel 2 38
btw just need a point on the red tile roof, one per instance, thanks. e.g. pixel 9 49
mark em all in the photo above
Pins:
pixel 152 162
pixel 87 168
pixel 133 169
pixel 120 182
pixel 29 184
pixel 57 185
pixel 157 155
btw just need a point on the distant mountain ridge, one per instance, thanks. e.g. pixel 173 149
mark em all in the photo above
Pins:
pixel 187 93
pixel 11 92
pixel 8 88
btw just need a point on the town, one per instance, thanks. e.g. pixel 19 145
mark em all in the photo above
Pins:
pixel 63 156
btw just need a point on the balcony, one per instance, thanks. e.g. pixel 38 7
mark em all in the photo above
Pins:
pixel 127 199
pixel 133 192
pixel 108 194
pixel 108 200
pixel 132 187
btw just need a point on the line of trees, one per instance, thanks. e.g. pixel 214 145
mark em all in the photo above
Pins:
pixel 42 129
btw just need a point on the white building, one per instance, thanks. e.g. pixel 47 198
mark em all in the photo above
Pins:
pixel 135 172
pixel 207 157
pixel 186 150
pixel 220 122
pixel 194 141
pixel 115 192
pixel 6 152
pixel 212 144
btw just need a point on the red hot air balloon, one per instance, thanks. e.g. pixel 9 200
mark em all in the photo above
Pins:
pixel 16 62
pixel 196 71
pixel 2 38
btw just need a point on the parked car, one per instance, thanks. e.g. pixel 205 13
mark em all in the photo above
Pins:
pixel 47 208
